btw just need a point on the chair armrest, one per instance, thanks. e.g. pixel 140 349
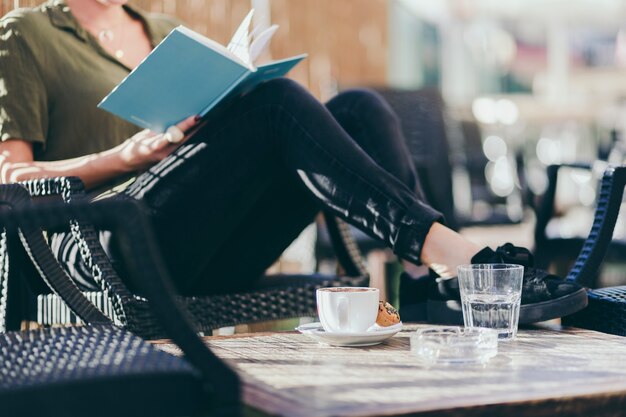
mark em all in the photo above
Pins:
pixel 138 243
pixel 348 254
pixel 545 209
pixel 71 189
pixel 15 197
pixel 316 280
pixel 607 209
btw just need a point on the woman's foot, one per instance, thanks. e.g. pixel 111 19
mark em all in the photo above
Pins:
pixel 444 250
pixel 544 296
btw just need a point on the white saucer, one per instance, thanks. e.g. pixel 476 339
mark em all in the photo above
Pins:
pixel 373 336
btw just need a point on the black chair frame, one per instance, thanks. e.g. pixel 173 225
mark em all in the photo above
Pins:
pixel 65 371
pixel 606 311
pixel 276 297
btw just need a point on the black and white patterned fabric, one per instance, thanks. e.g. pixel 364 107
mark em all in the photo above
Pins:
pixel 67 252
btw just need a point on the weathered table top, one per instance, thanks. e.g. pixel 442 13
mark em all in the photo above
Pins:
pixel 542 373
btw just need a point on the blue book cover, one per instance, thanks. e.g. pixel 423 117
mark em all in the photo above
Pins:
pixel 186 74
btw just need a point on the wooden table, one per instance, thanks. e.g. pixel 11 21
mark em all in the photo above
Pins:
pixel 543 373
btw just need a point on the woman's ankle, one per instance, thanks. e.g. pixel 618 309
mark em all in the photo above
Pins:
pixel 415 271
pixel 444 250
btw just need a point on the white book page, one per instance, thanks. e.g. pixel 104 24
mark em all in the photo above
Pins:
pixel 255 31
pixel 261 42
pixel 239 44
pixel 213 45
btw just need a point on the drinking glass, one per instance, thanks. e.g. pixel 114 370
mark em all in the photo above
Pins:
pixel 490 296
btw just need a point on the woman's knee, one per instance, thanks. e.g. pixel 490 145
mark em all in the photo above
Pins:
pixel 363 101
pixel 282 84
pixel 282 90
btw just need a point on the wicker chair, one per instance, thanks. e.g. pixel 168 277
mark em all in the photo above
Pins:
pixel 69 371
pixel 423 118
pixel 440 145
pixel 275 297
pixel 606 311
pixel 552 248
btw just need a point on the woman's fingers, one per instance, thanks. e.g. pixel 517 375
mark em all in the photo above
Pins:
pixel 152 147
pixel 139 136
pixel 187 123
pixel 175 134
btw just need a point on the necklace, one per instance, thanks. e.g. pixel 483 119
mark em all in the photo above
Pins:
pixel 108 36
pixel 113 35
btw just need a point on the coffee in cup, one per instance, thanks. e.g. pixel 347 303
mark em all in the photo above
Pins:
pixel 347 309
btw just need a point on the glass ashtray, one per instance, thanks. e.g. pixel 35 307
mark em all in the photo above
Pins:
pixel 454 345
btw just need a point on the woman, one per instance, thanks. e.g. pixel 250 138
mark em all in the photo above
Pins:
pixel 229 196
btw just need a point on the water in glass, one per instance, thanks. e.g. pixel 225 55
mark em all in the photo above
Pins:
pixel 496 311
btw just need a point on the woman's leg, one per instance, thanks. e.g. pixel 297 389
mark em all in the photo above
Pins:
pixel 369 120
pixel 260 238
pixel 277 133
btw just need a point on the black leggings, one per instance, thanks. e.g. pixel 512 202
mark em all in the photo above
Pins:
pixel 230 200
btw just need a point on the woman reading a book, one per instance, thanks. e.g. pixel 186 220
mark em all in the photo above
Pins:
pixel 232 192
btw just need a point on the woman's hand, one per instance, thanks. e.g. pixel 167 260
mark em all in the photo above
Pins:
pixel 146 148
pixel 139 152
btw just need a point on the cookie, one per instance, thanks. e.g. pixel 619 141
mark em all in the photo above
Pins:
pixel 387 315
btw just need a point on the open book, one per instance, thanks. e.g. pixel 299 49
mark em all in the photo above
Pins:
pixel 188 74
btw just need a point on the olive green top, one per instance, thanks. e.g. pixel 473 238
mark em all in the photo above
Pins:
pixel 53 73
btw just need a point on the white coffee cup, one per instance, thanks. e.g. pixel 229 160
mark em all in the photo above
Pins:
pixel 347 309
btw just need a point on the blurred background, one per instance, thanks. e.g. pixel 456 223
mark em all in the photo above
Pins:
pixel 491 93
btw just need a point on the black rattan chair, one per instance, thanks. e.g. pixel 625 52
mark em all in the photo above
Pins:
pixel 422 115
pixel 555 248
pixel 440 145
pixel 100 369
pixel 551 247
pixel 422 118
pixel 275 297
pixel 606 311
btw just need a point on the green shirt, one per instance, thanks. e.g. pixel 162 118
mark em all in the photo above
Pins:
pixel 53 73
